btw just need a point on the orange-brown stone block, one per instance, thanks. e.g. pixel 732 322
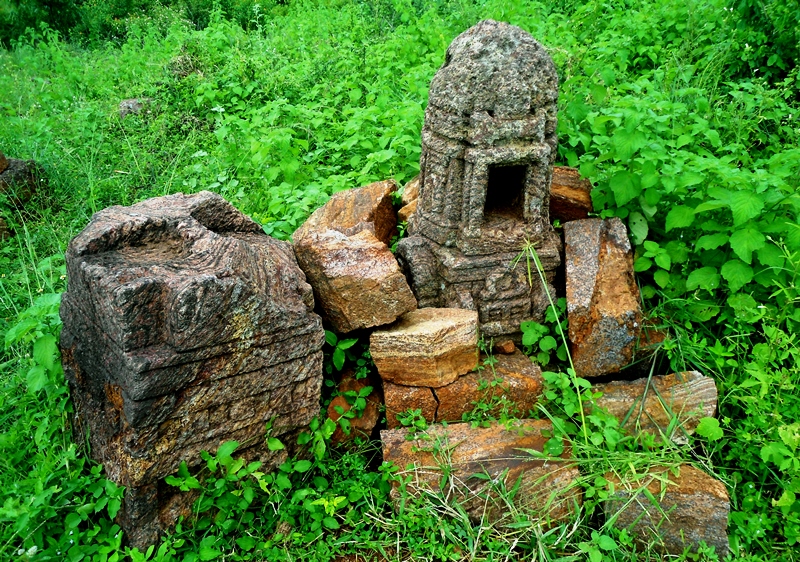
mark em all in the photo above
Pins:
pixel 570 195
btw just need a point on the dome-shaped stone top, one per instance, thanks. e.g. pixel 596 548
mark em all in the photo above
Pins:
pixel 497 68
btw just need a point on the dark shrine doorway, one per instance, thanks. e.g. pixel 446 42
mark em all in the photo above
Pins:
pixel 505 192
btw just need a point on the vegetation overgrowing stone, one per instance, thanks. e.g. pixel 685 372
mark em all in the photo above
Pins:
pixel 676 122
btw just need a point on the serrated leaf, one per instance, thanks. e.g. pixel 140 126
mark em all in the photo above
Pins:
pixel 36 379
pixel 663 261
pixel 625 187
pixel 627 143
pixel 638 226
pixel 737 274
pixel 744 242
pixel 745 205
pixel 274 444
pixel 709 428
pixel 44 351
pixel 712 241
pixel 679 217
pixel 661 277
pixel 704 278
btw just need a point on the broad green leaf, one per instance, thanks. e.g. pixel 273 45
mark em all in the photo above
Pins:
pixel 638 227
pixel 347 344
pixel 627 143
pixel 745 205
pixel 36 379
pixel 679 217
pixel 737 274
pixel 302 466
pixel 641 264
pixel 712 241
pixel 338 358
pixel 330 523
pixel 44 351
pixel 661 277
pixel 744 242
pixel 331 338
pixel 709 428
pixel 246 543
pixel 227 449
pixel 625 187
pixel 274 444
pixel 547 343
pixel 771 255
pixel 704 278
pixel 606 543
pixel 663 260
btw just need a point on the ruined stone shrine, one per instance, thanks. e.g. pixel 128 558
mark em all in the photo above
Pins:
pixel 488 146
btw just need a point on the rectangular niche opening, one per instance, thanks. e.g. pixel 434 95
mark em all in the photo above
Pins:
pixel 505 192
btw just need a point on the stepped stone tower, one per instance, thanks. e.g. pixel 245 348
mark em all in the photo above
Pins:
pixel 488 146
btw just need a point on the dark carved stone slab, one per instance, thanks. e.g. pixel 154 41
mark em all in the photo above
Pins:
pixel 184 327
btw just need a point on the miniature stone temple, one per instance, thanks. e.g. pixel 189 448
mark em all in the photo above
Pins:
pixel 488 146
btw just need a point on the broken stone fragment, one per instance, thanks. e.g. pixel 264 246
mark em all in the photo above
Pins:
pixel 475 465
pixel 602 296
pixel 570 195
pixel 133 106
pixel 20 180
pixel 362 424
pixel 400 399
pixel 676 512
pixel 512 385
pixel 649 405
pixel 354 210
pixel 184 326
pixel 407 212
pixel 427 347
pixel 505 347
pixel 411 191
pixel 356 279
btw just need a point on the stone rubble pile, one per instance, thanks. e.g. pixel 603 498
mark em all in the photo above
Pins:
pixel 185 326
pixel 19 182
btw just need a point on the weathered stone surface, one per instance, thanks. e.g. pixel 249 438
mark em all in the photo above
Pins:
pixel 356 279
pixel 410 191
pixel 514 383
pixel 361 425
pixel 494 451
pixel 570 195
pixel 602 296
pixel 406 213
pixel 427 347
pixel 184 326
pixel 400 399
pixel 505 347
pixel 3 162
pixel 691 507
pixel 133 106
pixel 354 210
pixel 20 180
pixel 649 405
pixel 488 144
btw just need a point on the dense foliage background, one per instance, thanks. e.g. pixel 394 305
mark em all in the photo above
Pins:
pixel 684 115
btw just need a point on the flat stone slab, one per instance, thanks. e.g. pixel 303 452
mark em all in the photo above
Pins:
pixel 649 405
pixel 400 399
pixel 356 279
pixel 603 307
pixel 427 347
pixel 470 465
pixel 678 511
